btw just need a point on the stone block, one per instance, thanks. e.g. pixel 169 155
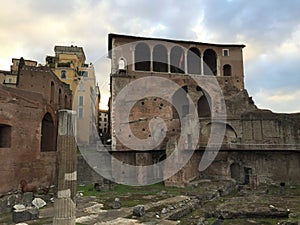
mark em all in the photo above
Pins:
pixel 27 198
pixel 26 214
pixel 139 211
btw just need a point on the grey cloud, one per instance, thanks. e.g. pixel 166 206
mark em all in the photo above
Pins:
pixel 266 22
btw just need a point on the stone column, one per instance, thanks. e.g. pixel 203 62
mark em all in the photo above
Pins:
pixel 64 203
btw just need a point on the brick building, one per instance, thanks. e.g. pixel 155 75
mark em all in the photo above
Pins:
pixel 28 126
pixel 258 145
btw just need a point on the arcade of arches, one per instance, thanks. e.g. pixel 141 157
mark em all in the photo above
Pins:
pixel 177 60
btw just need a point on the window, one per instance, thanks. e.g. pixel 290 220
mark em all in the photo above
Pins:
pixel 227 70
pixel 63 74
pixel 105 119
pixel 52 92
pixel 122 64
pixel 80 112
pixel 5 136
pixel 225 52
pixel 66 101
pixel 80 101
pixel 59 97
pixel 83 73
pixel 81 86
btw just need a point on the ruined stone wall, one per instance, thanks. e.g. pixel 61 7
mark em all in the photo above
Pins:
pixel 255 167
pixel 85 174
pixel 265 127
pixel 147 108
pixel 22 158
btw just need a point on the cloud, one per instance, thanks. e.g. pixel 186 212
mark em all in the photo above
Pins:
pixel 281 100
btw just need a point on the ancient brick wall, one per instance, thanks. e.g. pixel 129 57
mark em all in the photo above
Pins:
pixel 22 157
pixel 42 80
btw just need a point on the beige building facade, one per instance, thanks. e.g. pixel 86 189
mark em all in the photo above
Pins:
pixel 69 65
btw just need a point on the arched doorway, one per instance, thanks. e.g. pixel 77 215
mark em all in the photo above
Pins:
pixel 48 140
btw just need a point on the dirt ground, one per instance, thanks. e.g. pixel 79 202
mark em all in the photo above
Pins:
pixel 199 203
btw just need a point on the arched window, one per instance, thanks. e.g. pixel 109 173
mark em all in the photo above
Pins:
pixel 160 59
pixel 52 92
pixel 48 141
pixel 180 103
pixel 210 62
pixel 194 61
pixel 203 106
pixel 142 57
pixel 122 64
pixel 59 97
pixel 177 60
pixel 227 70
pixel 63 74
pixel 66 102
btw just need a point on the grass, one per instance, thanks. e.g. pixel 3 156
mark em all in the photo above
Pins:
pixel 131 195
pixel 88 190
pixel 289 190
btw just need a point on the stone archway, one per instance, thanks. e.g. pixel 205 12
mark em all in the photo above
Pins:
pixel 48 139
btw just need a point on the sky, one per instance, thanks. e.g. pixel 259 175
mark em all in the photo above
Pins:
pixel 270 29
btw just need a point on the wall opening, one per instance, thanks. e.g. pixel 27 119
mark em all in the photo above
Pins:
pixel 122 64
pixel 59 97
pixel 203 107
pixel 48 140
pixel 180 103
pixel 247 174
pixel 52 92
pixel 142 57
pixel 236 173
pixel 160 59
pixel 63 74
pixel 5 136
pixel 227 70
pixel 177 60
pixel 122 67
pixel 210 62
pixel 194 61
pixel 230 135
pixel 66 102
